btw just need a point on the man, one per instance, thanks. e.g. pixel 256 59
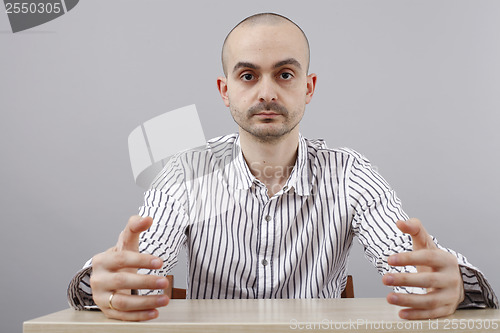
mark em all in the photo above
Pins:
pixel 267 213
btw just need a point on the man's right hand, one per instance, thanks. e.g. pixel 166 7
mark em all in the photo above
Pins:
pixel 115 271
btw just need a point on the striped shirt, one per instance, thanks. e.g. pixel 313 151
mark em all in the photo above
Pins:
pixel 241 243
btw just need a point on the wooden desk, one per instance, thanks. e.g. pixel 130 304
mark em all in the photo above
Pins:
pixel 278 315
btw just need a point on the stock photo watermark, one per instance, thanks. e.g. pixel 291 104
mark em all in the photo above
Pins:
pixel 362 324
pixel 27 14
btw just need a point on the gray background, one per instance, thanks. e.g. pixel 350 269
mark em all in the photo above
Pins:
pixel 413 85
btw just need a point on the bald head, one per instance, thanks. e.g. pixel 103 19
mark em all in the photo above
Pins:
pixel 269 19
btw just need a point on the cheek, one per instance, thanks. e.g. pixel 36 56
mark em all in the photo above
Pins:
pixel 298 88
pixel 238 99
pixel 297 95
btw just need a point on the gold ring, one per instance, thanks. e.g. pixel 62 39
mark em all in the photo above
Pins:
pixel 110 300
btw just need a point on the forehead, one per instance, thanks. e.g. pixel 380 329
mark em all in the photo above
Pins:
pixel 266 44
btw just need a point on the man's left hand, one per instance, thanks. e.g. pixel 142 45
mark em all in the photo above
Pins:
pixel 437 271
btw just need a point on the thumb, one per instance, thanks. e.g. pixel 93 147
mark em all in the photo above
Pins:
pixel 420 238
pixel 129 237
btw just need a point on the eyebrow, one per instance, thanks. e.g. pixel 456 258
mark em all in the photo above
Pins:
pixel 243 64
pixel 289 61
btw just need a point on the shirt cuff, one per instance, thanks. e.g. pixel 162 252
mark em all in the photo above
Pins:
pixel 79 291
pixel 477 291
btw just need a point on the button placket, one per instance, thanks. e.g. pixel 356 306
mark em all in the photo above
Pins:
pixel 265 255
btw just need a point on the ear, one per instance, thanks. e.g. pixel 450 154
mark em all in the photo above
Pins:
pixel 222 86
pixel 311 85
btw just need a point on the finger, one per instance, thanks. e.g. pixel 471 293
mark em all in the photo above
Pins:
pixel 435 259
pixel 112 260
pixel 420 238
pixel 130 303
pixel 129 238
pixel 131 315
pixel 421 280
pixel 414 314
pixel 125 280
pixel 417 301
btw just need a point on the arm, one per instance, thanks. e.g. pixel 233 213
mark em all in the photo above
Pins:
pixel 376 210
pixel 163 239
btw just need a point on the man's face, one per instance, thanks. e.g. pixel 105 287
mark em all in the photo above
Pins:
pixel 267 86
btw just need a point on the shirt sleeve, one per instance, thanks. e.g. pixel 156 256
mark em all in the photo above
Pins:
pixel 376 208
pixel 166 203
pixel 79 291
pixel 166 236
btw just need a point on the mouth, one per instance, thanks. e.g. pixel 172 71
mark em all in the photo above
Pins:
pixel 267 114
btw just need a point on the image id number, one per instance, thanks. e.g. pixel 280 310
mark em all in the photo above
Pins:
pixel 33 8
pixel 471 324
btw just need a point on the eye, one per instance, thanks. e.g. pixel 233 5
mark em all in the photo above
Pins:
pixel 247 77
pixel 286 76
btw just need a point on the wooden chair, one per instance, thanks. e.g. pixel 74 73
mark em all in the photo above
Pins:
pixel 178 293
pixel 174 293
pixel 348 291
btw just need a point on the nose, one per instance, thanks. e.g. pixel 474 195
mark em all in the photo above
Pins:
pixel 267 90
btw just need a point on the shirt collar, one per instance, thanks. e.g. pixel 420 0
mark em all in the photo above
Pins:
pixel 240 177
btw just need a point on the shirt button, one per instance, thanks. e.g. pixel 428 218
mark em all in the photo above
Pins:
pixel 285 188
pixel 264 262
pixel 268 218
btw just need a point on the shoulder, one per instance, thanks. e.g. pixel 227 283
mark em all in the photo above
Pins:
pixel 192 163
pixel 352 166
pixel 214 148
pixel 319 151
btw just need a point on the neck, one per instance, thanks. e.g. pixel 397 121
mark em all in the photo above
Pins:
pixel 271 161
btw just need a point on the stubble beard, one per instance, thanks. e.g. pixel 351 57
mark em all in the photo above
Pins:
pixel 268 134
